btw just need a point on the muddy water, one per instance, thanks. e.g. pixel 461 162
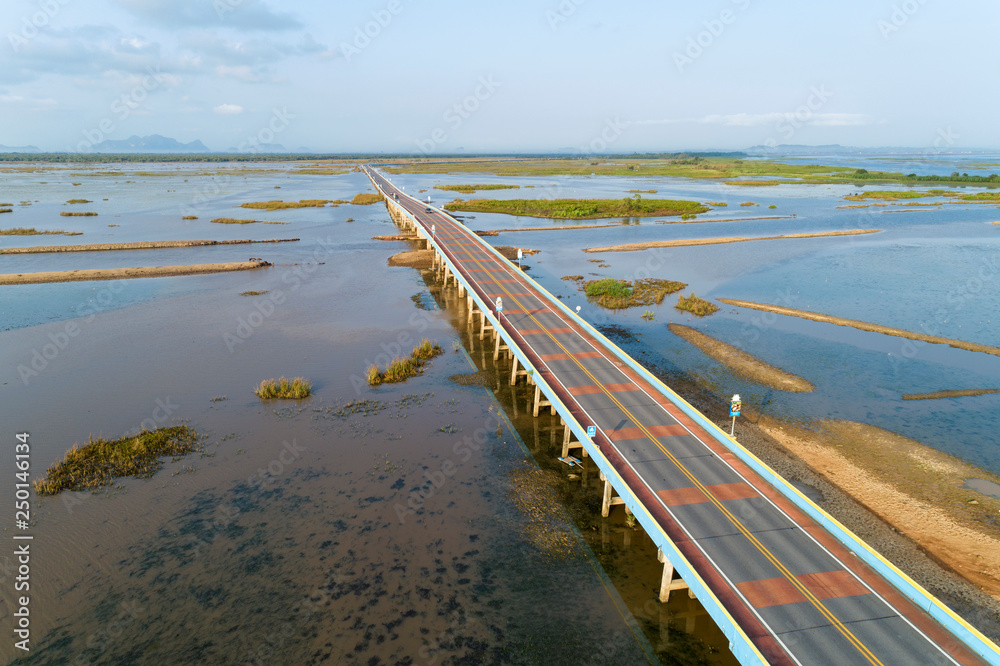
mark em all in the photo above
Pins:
pixel 357 526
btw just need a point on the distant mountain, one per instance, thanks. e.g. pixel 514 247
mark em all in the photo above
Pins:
pixel 19 149
pixel 154 143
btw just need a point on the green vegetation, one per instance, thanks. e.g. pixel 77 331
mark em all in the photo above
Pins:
pixel 190 217
pixel 748 203
pixel 6 210
pixel 577 278
pixel 66 213
pixel 282 205
pixel 696 306
pixel 895 195
pixel 9 204
pixel 726 167
pixel 231 220
pixel 718 204
pixel 99 462
pixel 283 389
pixel 579 209
pixel 366 199
pixel 469 189
pixel 617 294
pixel 648 315
pixel 642 191
pixel 79 201
pixel 985 197
pixel 31 231
pixel 772 206
pixel 253 293
pixel 400 369
pixel 321 171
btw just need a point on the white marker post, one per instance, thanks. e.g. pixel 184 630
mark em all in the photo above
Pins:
pixel 734 410
pixel 520 255
pixel 499 305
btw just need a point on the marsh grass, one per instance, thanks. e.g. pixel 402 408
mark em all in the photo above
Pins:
pixel 6 210
pixel 31 231
pixel 618 294
pixel 190 217
pixel 366 199
pixel 253 293
pixel 231 220
pixel 696 306
pixel 281 205
pixel 579 209
pixel 400 369
pixel 99 462
pixel 469 189
pixel 648 315
pixel 67 213
pixel 79 201
pixel 283 389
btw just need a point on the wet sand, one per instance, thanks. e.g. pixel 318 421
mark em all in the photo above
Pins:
pixel 938 395
pixel 634 247
pixel 743 363
pixel 864 326
pixel 918 490
pixel 143 245
pixel 128 273
pixel 728 219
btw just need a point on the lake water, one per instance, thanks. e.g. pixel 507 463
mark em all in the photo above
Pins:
pixel 289 539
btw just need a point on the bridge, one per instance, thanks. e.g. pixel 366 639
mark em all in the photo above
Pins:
pixel 785 582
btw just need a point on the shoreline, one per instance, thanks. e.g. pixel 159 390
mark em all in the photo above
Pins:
pixel 863 326
pixel 635 247
pixel 939 395
pixel 918 491
pixel 127 273
pixel 742 363
pixel 140 245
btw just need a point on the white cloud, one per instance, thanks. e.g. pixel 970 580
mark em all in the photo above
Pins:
pixel 228 109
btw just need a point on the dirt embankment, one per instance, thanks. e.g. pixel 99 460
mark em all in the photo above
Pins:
pixel 127 273
pixel 142 245
pixel 918 490
pixel 864 326
pixel 743 363
pixel 634 247
pixel 413 259
pixel 939 395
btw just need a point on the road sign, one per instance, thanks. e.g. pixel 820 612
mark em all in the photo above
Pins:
pixel 591 431
pixel 432 229
pixel 735 406
pixel 520 254
pixel 499 305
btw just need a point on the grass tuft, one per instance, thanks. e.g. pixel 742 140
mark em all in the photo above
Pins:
pixel 31 231
pixel 231 220
pixel 67 213
pixel 99 462
pixel 469 189
pixel 283 389
pixel 79 201
pixel 400 369
pixel 190 217
pixel 366 199
pixel 6 210
pixel 281 205
pixel 695 305
pixel 253 293
pixel 618 294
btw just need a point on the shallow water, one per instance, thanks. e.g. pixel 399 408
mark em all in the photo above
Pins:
pixel 204 562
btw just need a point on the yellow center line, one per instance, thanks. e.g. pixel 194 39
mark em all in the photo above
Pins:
pixel 861 647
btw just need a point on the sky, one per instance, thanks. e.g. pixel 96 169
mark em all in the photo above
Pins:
pixel 443 76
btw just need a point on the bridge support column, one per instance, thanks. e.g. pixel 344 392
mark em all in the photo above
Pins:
pixel 539 403
pixel 515 373
pixel 485 326
pixel 569 443
pixel 667 582
pixel 498 346
pixel 609 499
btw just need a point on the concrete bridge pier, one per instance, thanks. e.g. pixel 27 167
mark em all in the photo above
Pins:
pixel 569 443
pixel 609 497
pixel 667 582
